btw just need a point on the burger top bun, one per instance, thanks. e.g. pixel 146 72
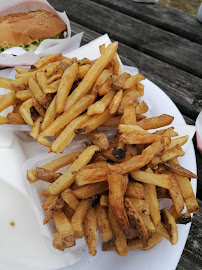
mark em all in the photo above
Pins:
pixel 25 28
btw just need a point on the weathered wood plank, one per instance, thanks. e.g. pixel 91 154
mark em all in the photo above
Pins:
pixel 169 19
pixel 144 37
pixel 183 88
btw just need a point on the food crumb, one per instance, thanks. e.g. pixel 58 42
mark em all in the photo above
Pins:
pixel 12 223
pixel 83 250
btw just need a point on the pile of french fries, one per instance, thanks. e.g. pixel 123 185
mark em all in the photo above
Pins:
pixel 115 184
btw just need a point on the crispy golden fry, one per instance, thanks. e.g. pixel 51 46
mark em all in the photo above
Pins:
pixel 112 121
pixel 95 164
pixel 36 128
pixel 120 239
pixel 105 87
pixel 48 201
pixel 90 226
pixel 24 95
pixel 83 70
pixel 49 116
pixel 120 80
pixel 94 122
pixel 142 206
pixel 46 100
pixel 21 70
pixel 46 175
pixel 56 205
pixel 116 203
pixel 166 132
pixel 176 168
pixel 53 78
pixel 6 83
pixel 148 223
pixel 78 217
pixel 7 100
pixel 117 155
pixel 100 106
pixel 156 122
pixel 65 118
pixel 68 177
pixel 160 228
pixel 104 200
pixel 128 128
pixel 136 221
pixel 57 242
pixel 90 176
pixel 70 199
pixel 153 241
pixel 64 228
pixel 160 180
pixel 139 161
pixel 39 108
pixel 92 75
pixel 45 60
pixel 129 115
pixel 133 80
pixel 88 191
pixel 141 108
pixel 65 86
pixel 117 66
pixel 106 73
pixel 14 119
pixel 42 80
pixel 178 141
pixel 131 95
pixel 36 90
pixel 170 153
pixel 132 149
pixel 170 225
pixel 68 134
pixel 99 138
pixel 135 190
pixel 135 243
pixel 4 120
pixel 139 138
pixel 104 225
pixel 26 113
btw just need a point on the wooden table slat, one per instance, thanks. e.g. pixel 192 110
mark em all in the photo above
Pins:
pixel 169 19
pixel 144 37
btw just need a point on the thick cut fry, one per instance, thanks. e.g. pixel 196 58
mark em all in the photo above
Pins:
pixel 115 103
pixel 92 75
pixel 6 83
pixel 130 128
pixel 90 176
pixel 21 70
pixel 135 243
pixel 170 225
pixel 42 80
pixel 7 100
pixel 100 106
pixel 106 73
pixel 160 228
pixel 176 168
pixel 94 122
pixel 39 108
pixel 112 121
pixel 142 206
pixel 83 70
pixel 120 239
pixel 24 95
pixel 133 80
pixel 64 228
pixel 116 203
pixel 170 153
pixel 135 190
pixel 160 180
pixel 15 119
pixel 90 226
pixel 68 177
pixel 136 221
pixel 49 116
pixel 70 199
pixel 68 134
pixel 45 60
pixel 36 90
pixel 104 225
pixel 65 118
pixel 88 191
pixel 4 120
pixel 132 95
pixel 120 80
pixel 57 242
pixel 26 113
pixel 48 201
pixel 151 198
pixel 65 86
pixel 78 217
pixel 153 241
pixel 141 108
pixel 129 115
pixel 148 223
pixel 139 161
pixel 36 128
pixel 166 132
pixel 178 141
pixel 156 122
pixel 99 138
pixel 139 138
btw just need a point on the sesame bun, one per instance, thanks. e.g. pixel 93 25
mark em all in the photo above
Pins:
pixel 25 28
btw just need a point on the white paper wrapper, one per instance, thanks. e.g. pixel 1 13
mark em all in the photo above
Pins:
pixel 22 57
pixel 199 132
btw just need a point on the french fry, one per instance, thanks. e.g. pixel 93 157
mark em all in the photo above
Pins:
pixel 135 243
pixel 170 225
pixel 112 121
pixel 120 239
pixel 55 206
pixel 92 75
pixel 24 95
pixel 90 226
pixel 49 116
pixel 6 83
pixel 26 113
pixel 104 201
pixel 7 100
pixel 78 217
pixel 83 70
pixel 53 78
pixel 135 190
pixel 153 241
pixel 104 225
pixel 48 201
pixel 171 153
pixel 45 60
pixel 68 177
pixel 57 242
pixel 177 169
pixel 46 175
pixel 3 120
pixel 65 86
pixel 64 228
pixel 90 176
pixel 156 122
pixel 133 80
pixel 160 228
pixel 166 132
pixel 142 206
pixel 148 223
pixel 106 73
pixel 68 134
pixel 39 108
pixel 131 95
pixel 14 119
pixel 42 80
pixel 139 138
pixel 36 128
pixel 65 118
pixel 87 191
pixel 141 108
pixel 129 114
pixel 35 89
pixel 137 162
pixel 105 87
pixel 70 199
pixel 99 138
pixel 120 80
pixel 160 180
pixel 178 141
pixel 114 105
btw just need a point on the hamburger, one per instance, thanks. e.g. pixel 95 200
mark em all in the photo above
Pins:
pixel 27 30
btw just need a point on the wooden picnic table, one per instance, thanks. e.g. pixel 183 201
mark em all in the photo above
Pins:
pixel 166 46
